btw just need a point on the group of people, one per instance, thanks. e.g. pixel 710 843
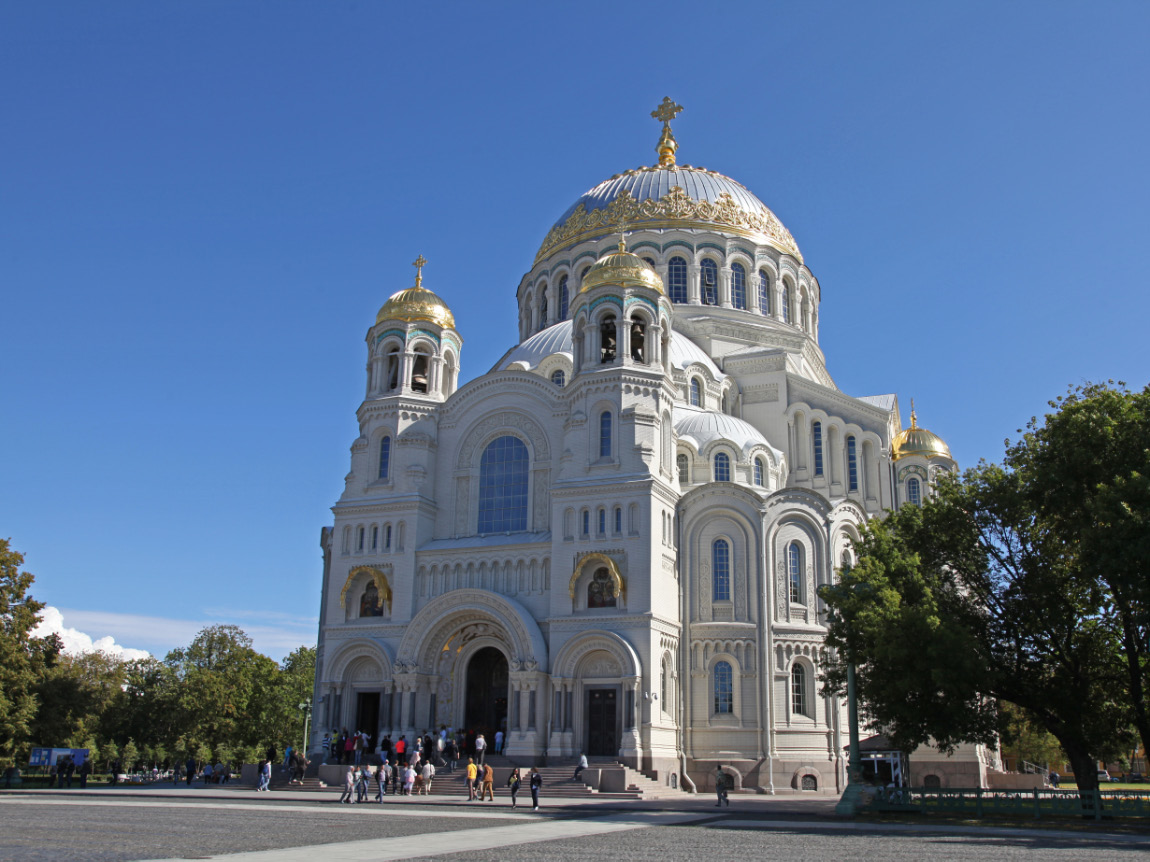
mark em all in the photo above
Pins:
pixel 443 748
pixel 65 769
pixel 400 779
pixel 221 773
pixel 481 783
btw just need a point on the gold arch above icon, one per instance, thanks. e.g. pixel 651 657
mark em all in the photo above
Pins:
pixel 376 575
pixel 595 560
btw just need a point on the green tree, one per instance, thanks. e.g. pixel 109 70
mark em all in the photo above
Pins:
pixel 75 694
pixel 129 755
pixel 1087 466
pixel 970 599
pixel 23 659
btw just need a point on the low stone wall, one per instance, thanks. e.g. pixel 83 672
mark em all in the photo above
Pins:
pixel 1015 781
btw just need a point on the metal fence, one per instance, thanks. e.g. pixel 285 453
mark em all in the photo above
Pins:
pixel 974 802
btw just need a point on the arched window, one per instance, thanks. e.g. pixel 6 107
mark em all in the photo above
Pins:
pixel 759 471
pixel 375 537
pixel 638 339
pixel 665 685
pixel 392 369
pixel 618 519
pixel 722 467
pixel 795 572
pixel 798 689
pixel 683 464
pixel 605 434
pixel 601 590
pixel 602 521
pixel 558 377
pixel 852 464
pixel 387 538
pixel 738 286
pixel 913 491
pixel 564 304
pixel 848 563
pixel 786 300
pixel 817 438
pixel 709 282
pixel 696 393
pixel 543 309
pixel 721 568
pixel 724 689
pixel 359 541
pixel 764 292
pixel 607 337
pixel 586 523
pixel 503 474
pixel 677 279
pixel 384 457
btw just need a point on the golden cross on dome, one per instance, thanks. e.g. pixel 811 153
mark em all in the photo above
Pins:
pixel 667 145
pixel 419 263
pixel 913 417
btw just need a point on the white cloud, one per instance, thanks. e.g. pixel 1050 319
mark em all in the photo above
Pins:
pixel 77 642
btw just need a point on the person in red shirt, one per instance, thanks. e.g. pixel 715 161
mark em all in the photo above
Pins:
pixel 401 750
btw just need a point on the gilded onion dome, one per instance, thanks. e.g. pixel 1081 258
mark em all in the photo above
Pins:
pixel 417 303
pixel 623 268
pixel 918 441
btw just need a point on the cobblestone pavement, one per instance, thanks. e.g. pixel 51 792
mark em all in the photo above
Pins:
pixel 115 827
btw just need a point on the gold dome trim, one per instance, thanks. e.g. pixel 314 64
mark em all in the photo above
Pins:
pixel 918 441
pixel 674 209
pixel 417 303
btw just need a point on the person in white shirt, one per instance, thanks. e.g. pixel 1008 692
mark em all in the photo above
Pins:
pixel 580 767
pixel 480 749
pixel 428 774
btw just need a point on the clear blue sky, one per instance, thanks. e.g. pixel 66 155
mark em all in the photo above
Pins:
pixel 202 206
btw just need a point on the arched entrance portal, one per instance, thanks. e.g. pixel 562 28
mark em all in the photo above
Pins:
pixel 486 694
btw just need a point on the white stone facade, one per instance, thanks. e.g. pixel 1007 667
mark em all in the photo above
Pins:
pixel 724 486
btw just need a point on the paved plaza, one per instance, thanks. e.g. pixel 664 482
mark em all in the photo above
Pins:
pixel 119 824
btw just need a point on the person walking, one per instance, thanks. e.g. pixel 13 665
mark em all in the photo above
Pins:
pixel 452 754
pixel 721 787
pixel 580 767
pixel 499 742
pixel 191 767
pixel 85 771
pixel 381 777
pixel 513 783
pixel 348 785
pixel 480 748
pixel 472 773
pixel 401 750
pixel 408 780
pixel 488 784
pixel 396 777
pixel 428 774
pixel 536 783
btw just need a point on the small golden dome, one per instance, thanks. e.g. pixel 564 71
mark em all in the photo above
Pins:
pixel 417 303
pixel 623 268
pixel 918 441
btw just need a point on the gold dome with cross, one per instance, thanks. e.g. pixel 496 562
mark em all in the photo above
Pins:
pixel 417 303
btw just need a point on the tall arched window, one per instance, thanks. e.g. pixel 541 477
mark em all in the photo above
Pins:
pixel 764 292
pixel 665 685
pixel 607 338
pixel 738 286
pixel 564 303
pixel 696 393
pixel 786 300
pixel 359 541
pixel 852 464
pixel 677 279
pixel 392 369
pixel 384 457
pixel 795 572
pixel 721 568
pixel 375 537
pixel 724 689
pixel 503 475
pixel 913 491
pixel 759 472
pixel 684 469
pixel 543 309
pixel 817 438
pixel 558 377
pixel 618 519
pixel 709 282
pixel 798 689
pixel 605 434
pixel 602 521
pixel 722 467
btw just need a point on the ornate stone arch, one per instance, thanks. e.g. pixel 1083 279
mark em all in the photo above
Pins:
pixel 567 659
pixel 496 424
pixel 336 668
pixel 425 635
pixel 376 574
pixel 596 560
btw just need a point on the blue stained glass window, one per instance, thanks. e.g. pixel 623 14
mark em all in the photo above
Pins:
pixel 564 305
pixel 384 457
pixel 913 491
pixel 677 279
pixel 795 572
pixel 586 522
pixel 696 393
pixel 558 377
pixel 721 566
pixel 852 464
pixel 759 472
pixel 817 437
pixel 764 292
pixel 709 282
pixel 798 689
pixel 722 467
pixel 602 521
pixel 724 688
pixel 503 476
pixel 605 435
pixel 738 286
pixel 618 519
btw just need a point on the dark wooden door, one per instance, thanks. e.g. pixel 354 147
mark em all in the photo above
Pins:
pixel 602 735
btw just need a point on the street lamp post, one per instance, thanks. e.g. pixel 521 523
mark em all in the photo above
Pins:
pixel 305 708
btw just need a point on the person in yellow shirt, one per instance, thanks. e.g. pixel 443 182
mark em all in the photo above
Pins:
pixel 472 774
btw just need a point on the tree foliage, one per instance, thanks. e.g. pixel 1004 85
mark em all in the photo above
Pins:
pixel 1022 583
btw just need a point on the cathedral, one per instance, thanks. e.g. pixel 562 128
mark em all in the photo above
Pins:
pixel 611 543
